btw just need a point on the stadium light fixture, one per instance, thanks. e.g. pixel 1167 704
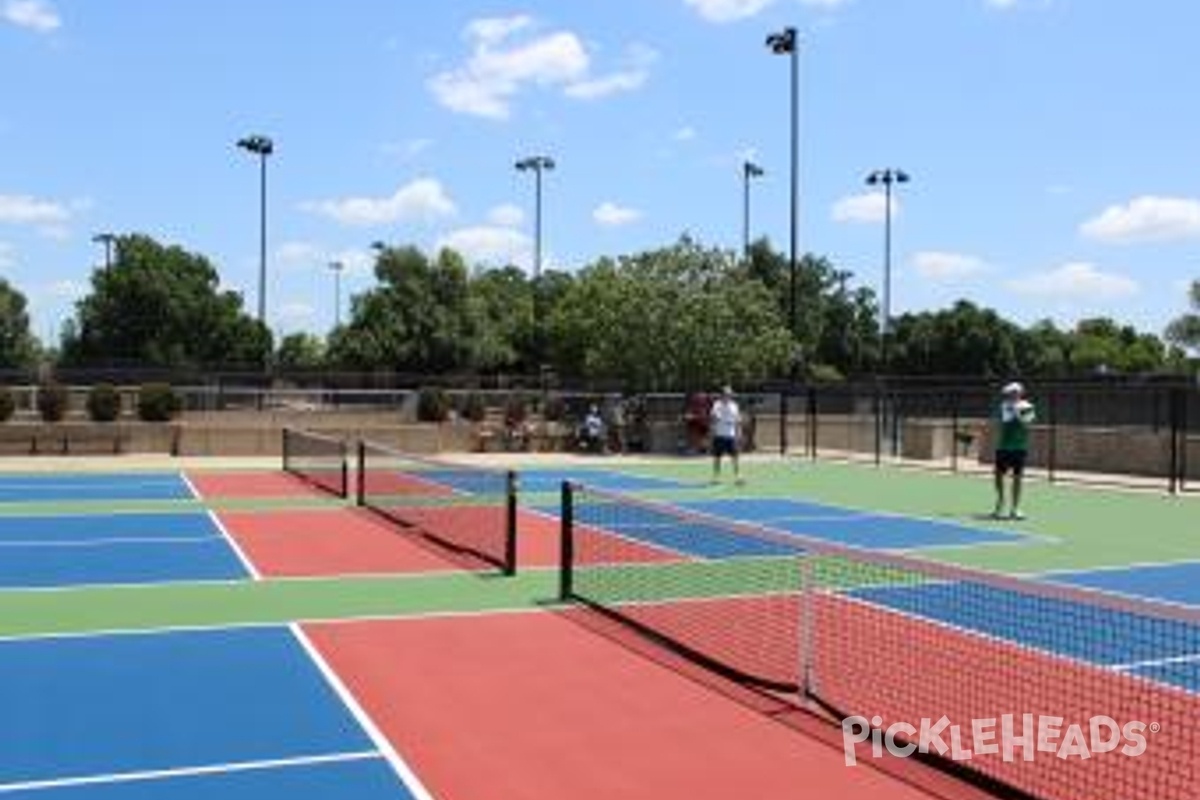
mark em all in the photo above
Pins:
pixel 887 178
pixel 787 43
pixel 750 171
pixel 537 165
pixel 261 146
pixel 107 240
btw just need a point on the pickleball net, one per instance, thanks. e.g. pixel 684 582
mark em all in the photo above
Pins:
pixel 318 459
pixel 468 512
pixel 896 641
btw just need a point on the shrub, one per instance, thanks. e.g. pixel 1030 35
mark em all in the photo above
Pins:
pixel 52 402
pixel 104 403
pixel 474 408
pixel 432 406
pixel 157 402
pixel 516 410
pixel 8 404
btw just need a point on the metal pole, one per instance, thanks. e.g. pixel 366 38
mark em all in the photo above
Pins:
pixel 885 328
pixel 795 178
pixel 537 258
pixel 746 212
pixel 262 241
pixel 337 297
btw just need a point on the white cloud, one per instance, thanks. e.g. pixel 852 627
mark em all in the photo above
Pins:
pixel 498 69
pixel 308 255
pixel 728 10
pixel 490 245
pixel 18 209
pixel 64 290
pixel 685 134
pixel 506 216
pixel 734 10
pixel 936 265
pixel 409 149
pixel 611 215
pixel 864 208
pixel 423 200
pixel 508 55
pixel 1146 219
pixel 294 313
pixel 35 15
pixel 1075 281
pixel 631 77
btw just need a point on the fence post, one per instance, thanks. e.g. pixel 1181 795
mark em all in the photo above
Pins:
pixel 785 397
pixel 1052 454
pixel 813 422
pixel 955 414
pixel 878 408
pixel 1175 412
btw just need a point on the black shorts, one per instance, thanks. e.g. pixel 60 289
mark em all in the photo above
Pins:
pixel 724 446
pixel 1010 461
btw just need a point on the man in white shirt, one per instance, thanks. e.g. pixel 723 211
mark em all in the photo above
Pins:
pixel 726 420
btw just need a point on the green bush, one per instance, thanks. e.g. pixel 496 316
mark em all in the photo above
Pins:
pixel 474 408
pixel 157 402
pixel 104 403
pixel 516 411
pixel 432 406
pixel 8 404
pixel 52 402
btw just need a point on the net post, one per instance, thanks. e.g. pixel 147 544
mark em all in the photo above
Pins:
pixel 510 523
pixel 361 489
pixel 1175 407
pixel 566 589
pixel 345 471
pixel 807 686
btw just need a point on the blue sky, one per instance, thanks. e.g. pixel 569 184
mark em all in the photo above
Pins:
pixel 1053 143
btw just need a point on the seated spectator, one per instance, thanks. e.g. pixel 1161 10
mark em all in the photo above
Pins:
pixel 591 434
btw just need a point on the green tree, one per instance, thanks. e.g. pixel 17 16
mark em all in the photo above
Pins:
pixel 161 306
pixel 1185 331
pixel 678 317
pixel 300 352
pixel 416 319
pixel 962 340
pixel 18 348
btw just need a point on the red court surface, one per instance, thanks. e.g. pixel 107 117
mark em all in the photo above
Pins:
pixel 347 541
pixel 216 485
pixel 535 707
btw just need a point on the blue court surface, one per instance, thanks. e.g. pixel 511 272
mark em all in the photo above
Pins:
pixel 75 488
pixel 851 527
pixel 1162 648
pixel 44 552
pixel 1173 583
pixel 536 481
pixel 235 714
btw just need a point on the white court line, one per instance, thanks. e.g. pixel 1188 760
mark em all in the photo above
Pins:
pixel 43 543
pixel 407 776
pixel 187 772
pixel 247 564
pixel 1157 662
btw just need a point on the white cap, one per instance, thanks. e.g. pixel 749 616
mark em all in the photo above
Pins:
pixel 1013 388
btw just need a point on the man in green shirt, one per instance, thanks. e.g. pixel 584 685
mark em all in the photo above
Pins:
pixel 1012 446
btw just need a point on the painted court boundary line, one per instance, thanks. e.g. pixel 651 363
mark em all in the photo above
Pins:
pixel 397 762
pixel 247 564
pixel 188 772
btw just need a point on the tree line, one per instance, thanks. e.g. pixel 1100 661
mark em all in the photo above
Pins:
pixel 679 316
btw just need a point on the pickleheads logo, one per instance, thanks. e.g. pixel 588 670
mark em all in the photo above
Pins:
pixel 1011 737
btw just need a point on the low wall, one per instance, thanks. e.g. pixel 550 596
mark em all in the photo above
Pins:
pixel 76 438
pixel 1116 451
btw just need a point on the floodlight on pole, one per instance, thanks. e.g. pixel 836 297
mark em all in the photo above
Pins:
pixel 537 165
pixel 787 43
pixel 750 171
pixel 887 178
pixel 261 146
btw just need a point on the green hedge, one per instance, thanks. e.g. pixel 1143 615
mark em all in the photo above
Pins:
pixel 52 401
pixel 157 402
pixel 104 403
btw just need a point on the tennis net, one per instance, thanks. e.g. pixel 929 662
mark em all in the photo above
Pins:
pixel 468 512
pixel 317 459
pixel 1023 688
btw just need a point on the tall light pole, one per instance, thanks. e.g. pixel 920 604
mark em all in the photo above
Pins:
pixel 107 240
pixel 786 43
pixel 750 171
pixel 262 147
pixel 537 165
pixel 337 267
pixel 887 178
